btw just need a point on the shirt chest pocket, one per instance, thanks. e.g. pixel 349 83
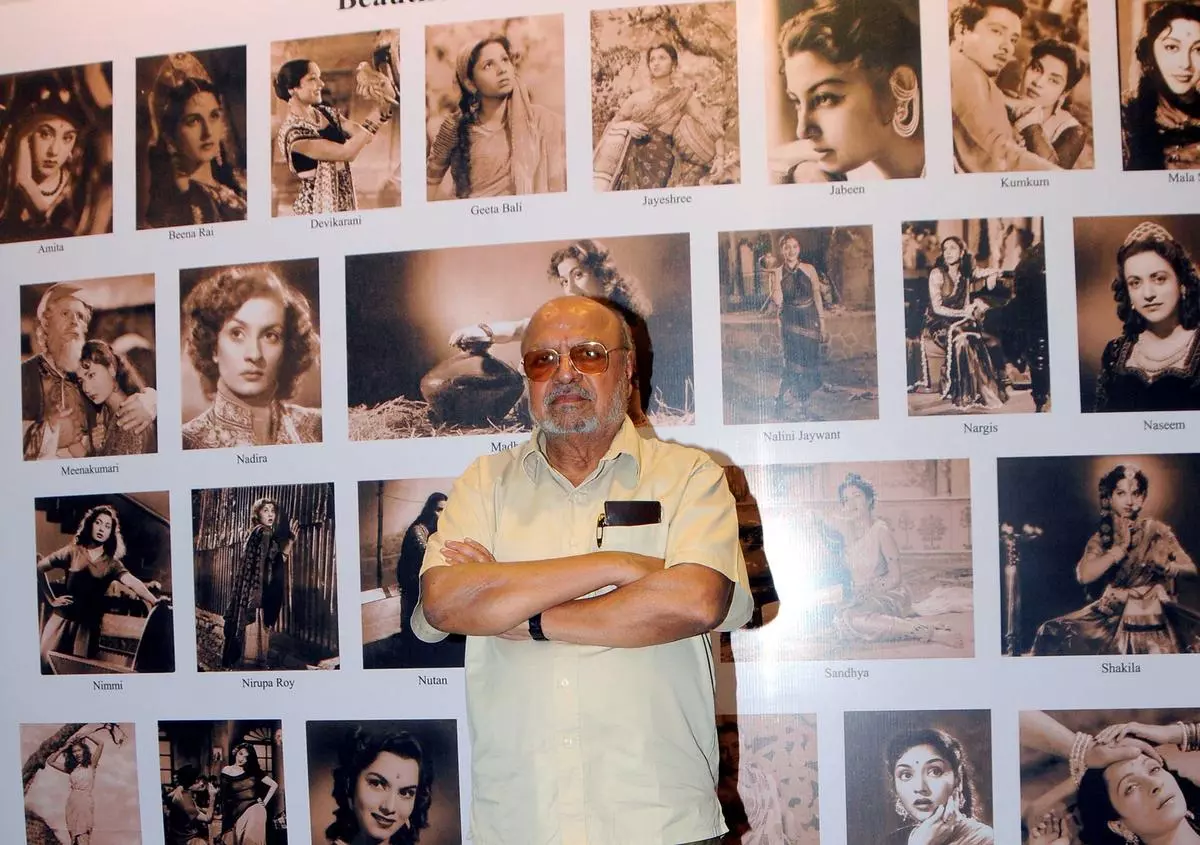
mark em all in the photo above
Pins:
pixel 642 539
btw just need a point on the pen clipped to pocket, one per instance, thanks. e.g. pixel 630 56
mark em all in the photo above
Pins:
pixel 627 513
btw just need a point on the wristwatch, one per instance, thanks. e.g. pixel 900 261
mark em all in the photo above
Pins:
pixel 535 628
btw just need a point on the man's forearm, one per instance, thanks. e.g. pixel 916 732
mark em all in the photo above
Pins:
pixel 677 603
pixel 484 599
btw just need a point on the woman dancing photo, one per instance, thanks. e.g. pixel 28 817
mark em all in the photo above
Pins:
pixel 337 147
pixel 495 99
pixel 1111 543
pixel 919 777
pixel 846 101
pixel 664 97
pixel 191 120
pixel 384 782
pixel 1154 363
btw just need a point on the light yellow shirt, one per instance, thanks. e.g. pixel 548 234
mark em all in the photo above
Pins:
pixel 583 745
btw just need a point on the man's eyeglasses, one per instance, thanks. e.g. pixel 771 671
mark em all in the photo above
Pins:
pixel 589 358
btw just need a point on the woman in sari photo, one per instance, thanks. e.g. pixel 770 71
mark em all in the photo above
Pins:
pixel 258 587
pixel 661 136
pixel 1160 115
pixel 498 142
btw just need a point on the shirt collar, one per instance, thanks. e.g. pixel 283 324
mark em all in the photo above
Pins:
pixel 626 449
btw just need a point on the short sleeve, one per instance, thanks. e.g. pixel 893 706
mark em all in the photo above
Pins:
pixel 466 515
pixel 58 559
pixel 704 531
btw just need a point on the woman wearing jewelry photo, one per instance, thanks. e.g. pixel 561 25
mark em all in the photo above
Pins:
pixel 795 295
pixel 251 339
pixel 1160 112
pixel 55 154
pixel 934 788
pixel 498 141
pixel 192 167
pixel 852 73
pixel 1133 562
pixel 318 142
pixel 382 788
pixel 108 379
pixel 1155 364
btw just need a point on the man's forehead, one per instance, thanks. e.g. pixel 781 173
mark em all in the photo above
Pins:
pixel 572 319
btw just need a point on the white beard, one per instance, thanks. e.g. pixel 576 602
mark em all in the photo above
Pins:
pixel 66 354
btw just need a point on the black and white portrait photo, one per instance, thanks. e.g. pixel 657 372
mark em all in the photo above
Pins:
pixel 1109 777
pixel 448 324
pixel 1138 296
pixel 335 128
pixel 395 521
pixel 495 98
pixel 56 148
pixel 1097 555
pixel 868 560
pixel 251 353
pixel 266 580
pixel 665 109
pixel 222 782
pixel 385 782
pixel 191 138
pixel 88 368
pixel 1020 83
pixel 976 325
pixel 80 783
pixel 845 90
pixel 1158 46
pixel 919 776
pixel 104 584
pixel 798 325
pixel 768 783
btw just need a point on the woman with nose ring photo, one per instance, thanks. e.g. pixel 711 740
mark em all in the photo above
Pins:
pixel 251 341
pixel 191 114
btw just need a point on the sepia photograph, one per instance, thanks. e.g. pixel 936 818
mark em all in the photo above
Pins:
pixel 385 782
pixel 452 320
pixel 798 325
pixel 56 153
pixel 1020 85
pixel 976 324
pixel 395 521
pixel 1138 297
pixel 665 109
pixel 266 579
pixel 88 369
pixel 768 782
pixel 104 584
pixel 495 99
pixel 857 561
pixel 335 145
pixel 80 784
pixel 1157 43
pixel 222 782
pixel 191 138
pixel 1109 777
pixel 919 776
pixel 845 92
pixel 250 358
pixel 1096 555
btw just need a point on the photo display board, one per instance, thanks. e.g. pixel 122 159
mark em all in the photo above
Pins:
pixel 920 274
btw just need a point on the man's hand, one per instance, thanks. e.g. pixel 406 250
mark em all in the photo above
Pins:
pixel 138 411
pixel 465 551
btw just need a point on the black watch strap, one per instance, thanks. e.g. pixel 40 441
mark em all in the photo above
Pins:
pixel 535 628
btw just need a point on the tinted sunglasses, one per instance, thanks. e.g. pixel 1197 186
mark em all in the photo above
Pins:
pixel 589 358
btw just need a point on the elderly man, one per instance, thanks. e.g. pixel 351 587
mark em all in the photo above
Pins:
pixel 587 568
pixel 56 418
pixel 984 36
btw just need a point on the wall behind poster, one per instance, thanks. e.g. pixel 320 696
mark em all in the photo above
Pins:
pixel 783 700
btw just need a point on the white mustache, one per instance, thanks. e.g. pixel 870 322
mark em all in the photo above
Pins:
pixel 574 390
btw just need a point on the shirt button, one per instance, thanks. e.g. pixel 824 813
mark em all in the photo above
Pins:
pixel 568 742
pixel 564 683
